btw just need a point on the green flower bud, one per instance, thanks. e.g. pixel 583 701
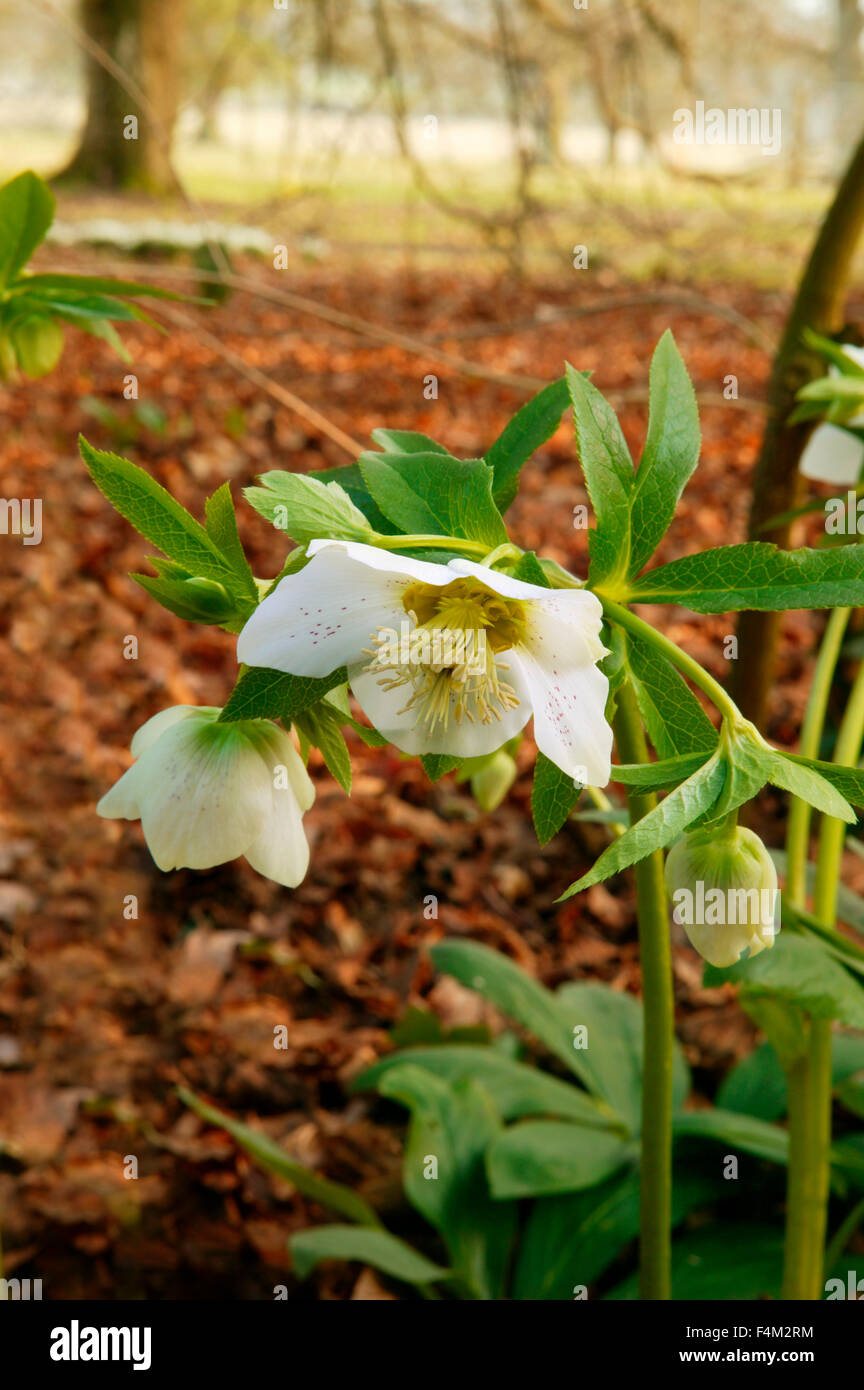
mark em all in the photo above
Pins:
pixel 491 783
pixel 723 886
pixel 38 342
pixel 207 599
pixel 8 359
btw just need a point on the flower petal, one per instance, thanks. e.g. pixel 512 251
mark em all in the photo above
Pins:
pixel 832 455
pixel 568 691
pixel 384 709
pixel 204 797
pixel 324 616
pixel 281 851
pixel 147 735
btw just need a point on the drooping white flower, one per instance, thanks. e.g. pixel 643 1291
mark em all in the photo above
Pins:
pixel 207 792
pixel 448 658
pixel 832 454
pixel 723 886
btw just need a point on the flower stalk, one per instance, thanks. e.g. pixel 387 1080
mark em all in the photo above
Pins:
pixel 658 1015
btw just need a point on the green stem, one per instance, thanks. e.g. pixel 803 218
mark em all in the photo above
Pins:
pixel 616 613
pixel 431 543
pixel 800 811
pixel 658 1013
pixel 810 1074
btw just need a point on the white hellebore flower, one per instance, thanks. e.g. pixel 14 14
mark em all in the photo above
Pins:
pixel 207 792
pixel 448 658
pixel 832 454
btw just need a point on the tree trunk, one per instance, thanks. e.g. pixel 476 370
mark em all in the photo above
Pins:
pixel 126 140
pixel 819 303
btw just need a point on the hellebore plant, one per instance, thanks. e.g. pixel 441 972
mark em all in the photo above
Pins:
pixel 405 588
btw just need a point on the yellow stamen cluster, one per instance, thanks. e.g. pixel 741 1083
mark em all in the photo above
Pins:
pixel 449 659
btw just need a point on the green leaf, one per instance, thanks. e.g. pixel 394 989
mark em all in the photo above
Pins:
pixel 530 571
pixel 406 442
pixel 539 1158
pixel 350 479
pixel 848 781
pixel 800 970
pixel 455 1122
pixel 322 728
pixel 26 213
pixel 267 1153
pixel 803 781
pixel 834 352
pixel 379 1249
pixel 707 1265
pixel 434 494
pixel 154 512
pixel 307 509
pixel 660 827
pixel 571 1240
pixel 671 452
pixel 530 427
pixel 609 477
pixel 94 284
pixel 745 1132
pixel 553 796
pixel 756 575
pixel 514 1088
pixel 516 994
pixel 186 599
pixel 437 765
pixel 655 777
pixel 612 1057
pixel 756 1086
pixel 674 718
pixel 264 694
pixel 221 527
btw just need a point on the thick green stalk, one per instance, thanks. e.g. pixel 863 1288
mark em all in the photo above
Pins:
pixel 658 1013
pixel 810 1075
pixel 801 812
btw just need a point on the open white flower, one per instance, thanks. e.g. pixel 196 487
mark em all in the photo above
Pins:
pixel 832 454
pixel 207 792
pixel 444 658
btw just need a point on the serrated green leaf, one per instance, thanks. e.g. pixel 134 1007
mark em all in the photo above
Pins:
pixel 350 479
pixel 307 509
pixel 182 599
pixel 803 781
pixel 609 477
pixel 671 452
pixel 756 575
pixel 755 1086
pixel 660 827
pixel 522 436
pixel 553 797
pixel 655 777
pixel 848 781
pixel 437 765
pixel 221 527
pixel 93 284
pixel 406 442
pixel 264 694
pixel 674 718
pixel 380 1249
pixel 530 571
pixel 26 213
pixel 155 513
pixel 434 494
pixel 322 729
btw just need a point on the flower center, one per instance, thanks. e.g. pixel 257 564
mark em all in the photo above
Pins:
pixel 448 658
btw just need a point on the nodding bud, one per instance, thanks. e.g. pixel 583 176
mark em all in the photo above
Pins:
pixel 723 886
pixel 38 344
pixel 490 784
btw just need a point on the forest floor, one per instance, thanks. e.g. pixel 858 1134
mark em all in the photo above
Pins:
pixel 102 1014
